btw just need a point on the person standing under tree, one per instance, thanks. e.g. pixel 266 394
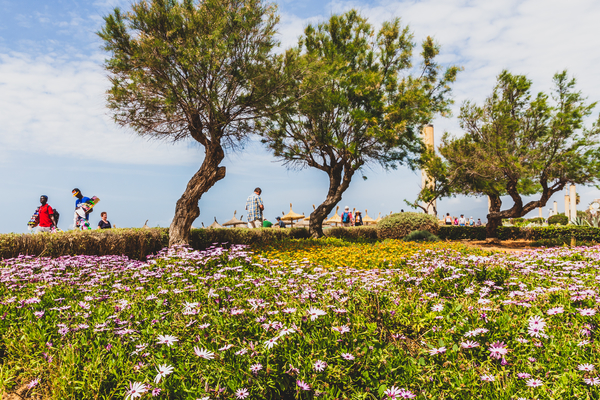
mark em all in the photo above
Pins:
pixel 45 215
pixel 255 208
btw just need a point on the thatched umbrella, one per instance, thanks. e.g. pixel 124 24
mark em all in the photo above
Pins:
pixel 379 218
pixel 215 225
pixel 336 219
pixel 368 220
pixel 292 216
pixel 304 222
pixel 234 221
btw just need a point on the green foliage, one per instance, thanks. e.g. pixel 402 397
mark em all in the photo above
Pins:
pixel 553 234
pixel 88 327
pixel 558 219
pixel 357 101
pixel 139 243
pixel 421 236
pixel 536 220
pixel 201 70
pixel 183 69
pixel 397 226
pixel 518 145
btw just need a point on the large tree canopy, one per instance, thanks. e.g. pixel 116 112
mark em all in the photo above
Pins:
pixel 515 145
pixel 357 102
pixel 201 70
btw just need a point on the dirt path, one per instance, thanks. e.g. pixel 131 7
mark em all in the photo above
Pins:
pixel 507 246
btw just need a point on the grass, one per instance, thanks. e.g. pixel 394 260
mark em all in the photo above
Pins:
pixel 302 320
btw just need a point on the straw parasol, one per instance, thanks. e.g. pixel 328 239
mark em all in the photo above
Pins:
pixel 234 221
pixel 292 216
pixel 336 219
pixel 368 220
pixel 215 225
pixel 304 222
pixel 378 218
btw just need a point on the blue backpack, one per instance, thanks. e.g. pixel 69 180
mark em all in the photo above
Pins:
pixel 345 217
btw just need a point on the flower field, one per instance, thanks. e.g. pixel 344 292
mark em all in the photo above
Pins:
pixel 398 321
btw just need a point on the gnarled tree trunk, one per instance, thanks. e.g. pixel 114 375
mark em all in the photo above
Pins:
pixel 187 210
pixel 339 180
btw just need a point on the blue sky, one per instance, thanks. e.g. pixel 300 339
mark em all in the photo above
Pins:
pixel 55 133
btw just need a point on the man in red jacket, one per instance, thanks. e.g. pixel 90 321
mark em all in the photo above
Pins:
pixel 46 216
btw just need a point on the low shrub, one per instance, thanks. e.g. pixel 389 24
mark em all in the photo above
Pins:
pixel 421 236
pixel 558 219
pixel 397 226
pixel 536 220
pixel 134 243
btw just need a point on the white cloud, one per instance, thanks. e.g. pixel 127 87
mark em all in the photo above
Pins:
pixel 55 105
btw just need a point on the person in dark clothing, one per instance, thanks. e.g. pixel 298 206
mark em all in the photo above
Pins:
pixel 280 222
pixel 104 223
pixel 358 219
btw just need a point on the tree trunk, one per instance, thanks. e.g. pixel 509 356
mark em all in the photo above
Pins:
pixel 187 210
pixel 491 228
pixel 337 186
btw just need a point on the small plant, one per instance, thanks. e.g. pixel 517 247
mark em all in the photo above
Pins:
pixel 558 219
pixel 421 236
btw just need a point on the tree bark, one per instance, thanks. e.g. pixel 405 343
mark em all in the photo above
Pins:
pixel 187 210
pixel 337 186
pixel 491 229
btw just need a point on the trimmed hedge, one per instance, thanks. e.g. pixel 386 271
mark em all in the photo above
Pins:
pixel 138 243
pixel 558 232
pixel 133 243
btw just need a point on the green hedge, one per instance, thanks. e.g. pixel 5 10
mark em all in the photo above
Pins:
pixel 138 243
pixel 563 233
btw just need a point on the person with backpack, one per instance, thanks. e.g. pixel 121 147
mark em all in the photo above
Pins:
pixel 347 217
pixel 45 215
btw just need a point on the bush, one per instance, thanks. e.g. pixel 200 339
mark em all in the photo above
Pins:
pixel 396 226
pixel 138 243
pixel 516 221
pixel 421 236
pixel 133 243
pixel 536 220
pixel 558 219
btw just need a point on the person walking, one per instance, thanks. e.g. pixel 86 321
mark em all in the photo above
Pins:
pixel 255 208
pixel 104 223
pixel 45 215
pixel 358 219
pixel 80 200
pixel 347 217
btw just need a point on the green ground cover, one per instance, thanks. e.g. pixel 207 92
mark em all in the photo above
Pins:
pixel 439 322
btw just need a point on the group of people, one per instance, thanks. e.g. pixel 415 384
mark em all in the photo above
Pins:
pixel 462 221
pixel 255 208
pixel 351 220
pixel 46 219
